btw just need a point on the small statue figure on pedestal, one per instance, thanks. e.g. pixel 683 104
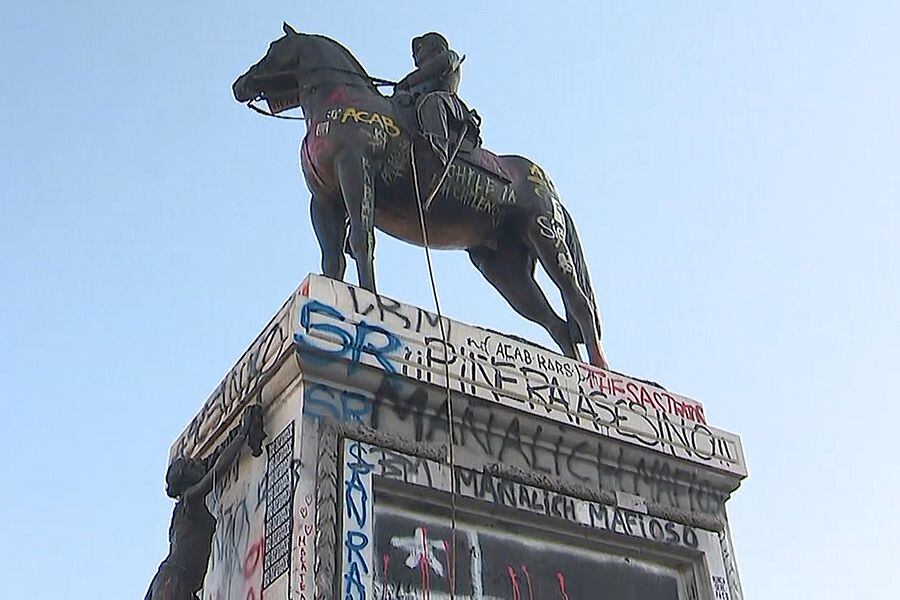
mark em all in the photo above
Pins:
pixel 181 574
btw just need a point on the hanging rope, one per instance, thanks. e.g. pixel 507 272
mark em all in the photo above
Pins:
pixel 422 208
pixel 430 198
pixel 451 458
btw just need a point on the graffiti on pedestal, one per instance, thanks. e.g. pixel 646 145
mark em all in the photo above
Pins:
pixel 594 462
pixel 236 558
pixel 304 552
pixel 324 329
pixel 479 357
pixel 356 575
pixel 510 374
pixel 414 557
pixel 252 370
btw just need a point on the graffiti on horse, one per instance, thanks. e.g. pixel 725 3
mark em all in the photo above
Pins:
pixel 355 156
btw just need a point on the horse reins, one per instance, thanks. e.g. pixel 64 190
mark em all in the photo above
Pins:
pixel 373 81
pixel 267 113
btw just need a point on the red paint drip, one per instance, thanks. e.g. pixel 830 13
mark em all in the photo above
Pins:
pixel 514 582
pixel 339 96
pixel 451 576
pixel 423 564
pixel 561 579
pixel 252 559
pixel 385 561
pixel 528 581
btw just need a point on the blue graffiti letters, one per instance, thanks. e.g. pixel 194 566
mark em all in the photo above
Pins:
pixel 352 340
pixel 354 587
pixel 357 527
pixel 356 492
pixel 322 401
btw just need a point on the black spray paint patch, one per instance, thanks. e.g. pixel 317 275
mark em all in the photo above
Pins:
pixel 415 556
pixel 279 520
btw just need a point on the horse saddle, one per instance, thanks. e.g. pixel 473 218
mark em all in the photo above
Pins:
pixel 470 151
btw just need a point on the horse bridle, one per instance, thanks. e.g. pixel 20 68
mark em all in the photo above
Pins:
pixel 370 81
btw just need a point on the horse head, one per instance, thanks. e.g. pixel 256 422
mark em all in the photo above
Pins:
pixel 294 67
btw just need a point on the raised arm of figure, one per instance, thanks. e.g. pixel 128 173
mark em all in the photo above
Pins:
pixel 251 431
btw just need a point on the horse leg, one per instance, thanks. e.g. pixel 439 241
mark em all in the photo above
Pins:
pixel 557 261
pixel 510 269
pixel 357 187
pixel 329 220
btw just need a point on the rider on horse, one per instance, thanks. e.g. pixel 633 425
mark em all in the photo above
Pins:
pixel 434 85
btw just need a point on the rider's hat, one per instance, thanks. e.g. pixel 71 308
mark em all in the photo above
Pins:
pixel 429 39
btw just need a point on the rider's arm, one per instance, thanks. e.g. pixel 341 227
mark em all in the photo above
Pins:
pixel 252 419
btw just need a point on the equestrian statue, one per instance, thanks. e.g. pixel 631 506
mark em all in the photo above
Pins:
pixel 372 160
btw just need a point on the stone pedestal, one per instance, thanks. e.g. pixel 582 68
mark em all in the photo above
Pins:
pixel 567 481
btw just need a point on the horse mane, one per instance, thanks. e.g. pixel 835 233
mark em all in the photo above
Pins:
pixel 324 43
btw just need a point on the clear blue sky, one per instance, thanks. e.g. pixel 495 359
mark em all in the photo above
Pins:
pixel 733 169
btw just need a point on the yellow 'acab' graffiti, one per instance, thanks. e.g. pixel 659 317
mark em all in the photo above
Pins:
pixel 371 118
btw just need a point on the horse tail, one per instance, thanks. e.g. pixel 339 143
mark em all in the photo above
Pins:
pixel 582 275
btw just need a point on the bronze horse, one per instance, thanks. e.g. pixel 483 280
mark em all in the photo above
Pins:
pixel 355 156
